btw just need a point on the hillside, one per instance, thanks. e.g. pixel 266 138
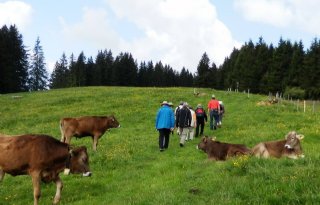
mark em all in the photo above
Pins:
pixel 129 169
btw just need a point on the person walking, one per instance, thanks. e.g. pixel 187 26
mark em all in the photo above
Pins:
pixel 176 111
pixel 213 109
pixel 193 124
pixel 221 113
pixel 201 119
pixel 164 124
pixel 183 122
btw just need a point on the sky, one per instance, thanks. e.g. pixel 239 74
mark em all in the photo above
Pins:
pixel 175 32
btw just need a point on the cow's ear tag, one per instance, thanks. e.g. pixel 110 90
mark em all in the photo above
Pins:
pixel 300 137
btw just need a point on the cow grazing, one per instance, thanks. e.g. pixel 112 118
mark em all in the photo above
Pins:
pixel 86 126
pixel 289 147
pixel 221 151
pixel 43 158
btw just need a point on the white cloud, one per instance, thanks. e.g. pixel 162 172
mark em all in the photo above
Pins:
pixel 93 31
pixel 303 15
pixel 15 12
pixel 177 32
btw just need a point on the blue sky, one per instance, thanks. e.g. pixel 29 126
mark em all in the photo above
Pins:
pixel 177 32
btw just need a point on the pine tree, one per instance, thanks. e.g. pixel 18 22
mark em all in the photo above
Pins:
pixel 203 72
pixel 311 71
pixel 60 74
pixel 13 61
pixel 125 70
pixel 38 76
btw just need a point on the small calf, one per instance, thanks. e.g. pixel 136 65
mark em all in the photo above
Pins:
pixel 221 151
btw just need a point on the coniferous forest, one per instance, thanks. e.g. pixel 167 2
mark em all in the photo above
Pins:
pixel 287 68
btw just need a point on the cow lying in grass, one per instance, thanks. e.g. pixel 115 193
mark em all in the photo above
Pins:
pixel 221 151
pixel 289 147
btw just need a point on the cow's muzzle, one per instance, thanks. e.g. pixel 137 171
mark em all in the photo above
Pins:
pixel 287 146
pixel 87 174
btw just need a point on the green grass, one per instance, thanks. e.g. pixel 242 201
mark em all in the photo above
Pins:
pixel 129 169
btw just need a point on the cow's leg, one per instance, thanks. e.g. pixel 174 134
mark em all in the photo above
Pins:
pixel 63 138
pixel 67 139
pixel 95 142
pixel 36 186
pixel 1 174
pixel 59 185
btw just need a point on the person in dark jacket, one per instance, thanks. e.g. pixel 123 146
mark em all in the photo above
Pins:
pixel 202 118
pixel 183 122
pixel 164 124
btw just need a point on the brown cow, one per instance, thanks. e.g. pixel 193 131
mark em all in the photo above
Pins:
pixel 289 147
pixel 43 158
pixel 221 151
pixel 93 126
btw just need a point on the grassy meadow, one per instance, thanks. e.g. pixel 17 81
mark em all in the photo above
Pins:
pixel 129 169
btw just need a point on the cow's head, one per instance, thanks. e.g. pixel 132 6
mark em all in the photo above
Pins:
pixel 113 122
pixel 293 140
pixel 204 142
pixel 79 162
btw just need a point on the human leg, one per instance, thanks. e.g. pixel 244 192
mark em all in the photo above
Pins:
pixel 166 138
pixel 161 139
pixel 211 119
pixel 201 128
pixel 183 135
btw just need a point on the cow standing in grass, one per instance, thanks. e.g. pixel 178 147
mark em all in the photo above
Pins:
pixel 94 126
pixel 43 158
pixel 289 147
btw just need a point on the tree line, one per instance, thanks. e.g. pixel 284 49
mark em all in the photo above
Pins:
pixel 287 69
pixel 123 70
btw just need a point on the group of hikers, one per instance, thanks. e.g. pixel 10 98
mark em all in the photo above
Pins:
pixel 188 121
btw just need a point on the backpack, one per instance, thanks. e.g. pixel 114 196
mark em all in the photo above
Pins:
pixel 199 112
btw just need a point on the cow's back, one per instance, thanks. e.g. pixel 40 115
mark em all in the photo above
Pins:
pixel 82 126
pixel 22 153
pixel 269 149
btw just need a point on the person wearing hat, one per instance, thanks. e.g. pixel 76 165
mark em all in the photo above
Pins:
pixel 164 124
pixel 201 119
pixel 213 110
pixel 183 122
pixel 176 111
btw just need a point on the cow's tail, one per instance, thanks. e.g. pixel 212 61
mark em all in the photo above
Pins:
pixel 63 138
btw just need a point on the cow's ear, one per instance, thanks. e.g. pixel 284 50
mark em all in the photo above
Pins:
pixel 71 152
pixel 204 139
pixel 300 137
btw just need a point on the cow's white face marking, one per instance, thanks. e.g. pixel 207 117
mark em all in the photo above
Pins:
pixel 87 174
pixel 287 146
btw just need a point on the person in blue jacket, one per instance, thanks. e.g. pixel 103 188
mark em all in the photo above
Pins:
pixel 164 124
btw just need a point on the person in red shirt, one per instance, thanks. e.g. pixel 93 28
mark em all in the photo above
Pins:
pixel 214 110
